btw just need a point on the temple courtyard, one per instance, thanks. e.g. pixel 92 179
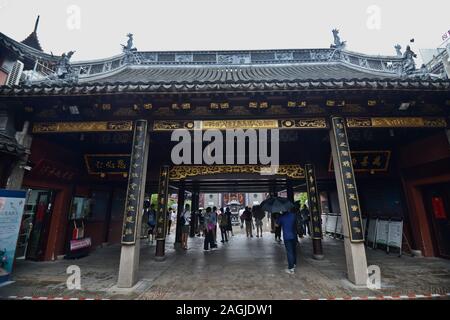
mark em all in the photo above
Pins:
pixel 242 269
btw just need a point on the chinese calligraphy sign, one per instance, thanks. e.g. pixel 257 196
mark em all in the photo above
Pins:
pixel 135 183
pixel 350 194
pixel 314 202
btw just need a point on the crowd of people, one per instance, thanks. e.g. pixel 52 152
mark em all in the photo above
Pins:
pixel 289 225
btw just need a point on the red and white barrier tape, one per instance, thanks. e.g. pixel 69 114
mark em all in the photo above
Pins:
pixel 50 298
pixel 392 297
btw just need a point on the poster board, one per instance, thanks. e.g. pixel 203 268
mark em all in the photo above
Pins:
pixel 382 232
pixel 331 224
pixel 12 203
pixel 395 234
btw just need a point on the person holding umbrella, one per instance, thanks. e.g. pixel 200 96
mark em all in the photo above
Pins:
pixel 287 222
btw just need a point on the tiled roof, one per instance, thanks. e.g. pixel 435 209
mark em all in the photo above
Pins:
pixel 226 86
pixel 221 74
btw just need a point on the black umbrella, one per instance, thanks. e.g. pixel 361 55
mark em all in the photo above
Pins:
pixel 258 212
pixel 276 204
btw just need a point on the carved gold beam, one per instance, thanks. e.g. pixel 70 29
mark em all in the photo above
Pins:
pixel 399 122
pixel 181 172
pixel 92 126
pixel 303 123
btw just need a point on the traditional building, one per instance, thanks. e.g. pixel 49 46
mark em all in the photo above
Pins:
pixel 373 131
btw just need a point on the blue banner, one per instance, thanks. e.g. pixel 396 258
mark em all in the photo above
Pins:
pixel 12 203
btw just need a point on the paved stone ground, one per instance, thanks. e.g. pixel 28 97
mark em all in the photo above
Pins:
pixel 243 268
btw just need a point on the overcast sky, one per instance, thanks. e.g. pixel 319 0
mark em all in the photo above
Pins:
pixel 96 28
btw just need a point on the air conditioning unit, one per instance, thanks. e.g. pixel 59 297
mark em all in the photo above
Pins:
pixel 15 74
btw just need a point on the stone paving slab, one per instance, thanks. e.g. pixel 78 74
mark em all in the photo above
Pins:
pixel 243 269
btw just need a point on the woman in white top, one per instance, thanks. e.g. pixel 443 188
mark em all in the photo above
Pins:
pixel 185 225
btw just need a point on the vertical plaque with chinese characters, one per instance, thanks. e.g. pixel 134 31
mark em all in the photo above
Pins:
pixel 314 202
pixel 133 201
pixel 347 176
pixel 163 193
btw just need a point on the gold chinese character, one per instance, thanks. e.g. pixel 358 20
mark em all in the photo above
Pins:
pixel 350 186
pixel 357 230
pixel 365 161
pixel 377 161
pixel 121 164
pixel 346 164
pixel 352 196
pixel 354 208
pixel 343 145
pixel 344 153
pixel 355 219
pixel 348 175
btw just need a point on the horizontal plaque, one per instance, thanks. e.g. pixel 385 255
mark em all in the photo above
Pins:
pixel 367 161
pixel 91 126
pixel 107 163
pixel 399 122
pixel 303 123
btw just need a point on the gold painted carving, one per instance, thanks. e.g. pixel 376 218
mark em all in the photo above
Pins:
pixel 404 122
pixel 182 172
pixel 94 126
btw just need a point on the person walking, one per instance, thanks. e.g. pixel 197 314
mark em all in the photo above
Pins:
pixel 306 219
pixel 151 223
pixel 185 220
pixel 258 213
pixel 277 227
pixel 214 219
pixel 173 218
pixel 241 216
pixel 209 226
pixel 287 223
pixel 223 223
pixel 248 218
pixel 229 222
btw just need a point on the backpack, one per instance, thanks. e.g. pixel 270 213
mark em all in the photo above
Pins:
pixel 151 217
pixel 182 220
